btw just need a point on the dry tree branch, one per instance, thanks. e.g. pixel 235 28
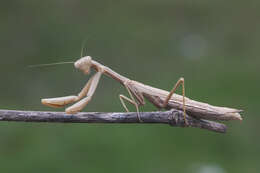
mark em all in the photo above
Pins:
pixel 172 117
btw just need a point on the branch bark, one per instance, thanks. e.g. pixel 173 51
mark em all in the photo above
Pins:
pixel 172 117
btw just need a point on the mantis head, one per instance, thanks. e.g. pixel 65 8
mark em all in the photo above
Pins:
pixel 84 64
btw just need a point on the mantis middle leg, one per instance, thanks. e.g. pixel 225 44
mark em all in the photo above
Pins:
pixel 132 101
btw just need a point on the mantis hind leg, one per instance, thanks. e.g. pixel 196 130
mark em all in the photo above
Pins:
pixel 130 100
pixel 179 82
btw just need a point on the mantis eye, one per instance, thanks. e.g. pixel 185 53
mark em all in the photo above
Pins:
pixel 84 64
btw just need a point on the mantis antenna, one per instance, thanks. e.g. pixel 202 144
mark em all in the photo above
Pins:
pixel 51 64
pixel 83 50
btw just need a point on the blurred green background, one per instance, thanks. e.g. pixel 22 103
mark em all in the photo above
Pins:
pixel 214 45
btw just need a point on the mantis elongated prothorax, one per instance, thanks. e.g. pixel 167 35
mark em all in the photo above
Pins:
pixel 138 92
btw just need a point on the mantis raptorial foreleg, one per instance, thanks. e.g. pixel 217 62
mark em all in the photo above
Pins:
pixel 179 82
pixel 132 101
pixel 88 91
pixel 62 101
pixel 81 104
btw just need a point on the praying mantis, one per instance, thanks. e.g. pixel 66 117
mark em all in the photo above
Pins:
pixel 138 92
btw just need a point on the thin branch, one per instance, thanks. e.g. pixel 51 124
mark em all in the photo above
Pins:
pixel 172 117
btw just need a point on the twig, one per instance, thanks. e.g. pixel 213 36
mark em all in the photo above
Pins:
pixel 172 117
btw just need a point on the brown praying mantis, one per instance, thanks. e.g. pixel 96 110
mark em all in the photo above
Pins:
pixel 138 92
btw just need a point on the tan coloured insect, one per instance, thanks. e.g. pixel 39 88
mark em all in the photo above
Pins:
pixel 138 91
